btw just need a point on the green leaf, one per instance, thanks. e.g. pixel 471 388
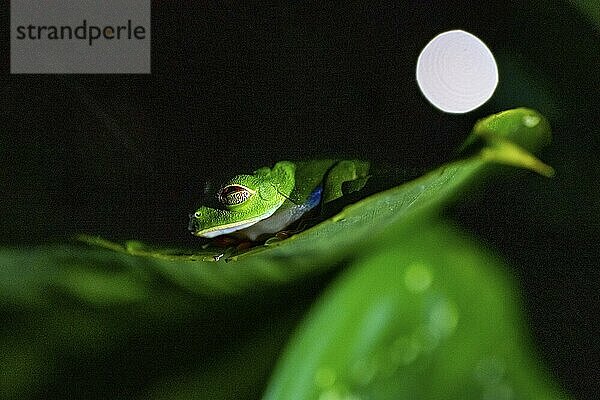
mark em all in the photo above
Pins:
pixel 336 239
pixel 428 314
pixel 509 137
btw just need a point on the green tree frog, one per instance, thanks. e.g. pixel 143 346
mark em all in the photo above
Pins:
pixel 270 199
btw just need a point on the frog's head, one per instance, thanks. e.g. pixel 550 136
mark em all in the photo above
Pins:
pixel 244 200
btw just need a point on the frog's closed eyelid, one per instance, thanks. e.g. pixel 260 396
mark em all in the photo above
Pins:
pixel 232 195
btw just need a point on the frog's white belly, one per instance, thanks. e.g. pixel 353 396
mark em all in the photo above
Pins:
pixel 276 222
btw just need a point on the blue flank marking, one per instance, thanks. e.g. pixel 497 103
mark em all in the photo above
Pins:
pixel 315 197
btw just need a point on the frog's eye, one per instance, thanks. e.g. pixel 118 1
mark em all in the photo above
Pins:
pixel 234 194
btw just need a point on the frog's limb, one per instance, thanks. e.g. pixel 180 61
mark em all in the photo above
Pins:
pixel 280 178
pixel 343 178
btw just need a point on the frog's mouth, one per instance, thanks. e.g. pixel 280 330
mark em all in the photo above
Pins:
pixel 195 226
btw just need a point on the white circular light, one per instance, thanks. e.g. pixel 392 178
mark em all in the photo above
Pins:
pixel 457 72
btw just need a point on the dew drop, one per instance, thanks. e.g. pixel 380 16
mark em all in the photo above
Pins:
pixel 418 277
pixel 363 371
pixel 405 350
pixel 531 120
pixel 325 377
pixel 443 318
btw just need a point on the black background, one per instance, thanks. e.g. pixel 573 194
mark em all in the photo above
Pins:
pixel 233 88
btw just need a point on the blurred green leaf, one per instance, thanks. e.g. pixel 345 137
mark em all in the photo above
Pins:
pixel 428 314
pixel 590 8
